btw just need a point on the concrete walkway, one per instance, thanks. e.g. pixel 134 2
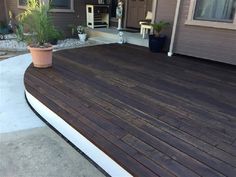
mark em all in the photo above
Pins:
pixel 27 146
pixel 15 114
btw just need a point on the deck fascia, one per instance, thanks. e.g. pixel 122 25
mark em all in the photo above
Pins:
pixel 81 142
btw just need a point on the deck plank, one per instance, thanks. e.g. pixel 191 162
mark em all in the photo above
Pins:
pixel 152 115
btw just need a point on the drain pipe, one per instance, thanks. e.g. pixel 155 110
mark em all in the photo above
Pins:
pixel 154 10
pixel 170 53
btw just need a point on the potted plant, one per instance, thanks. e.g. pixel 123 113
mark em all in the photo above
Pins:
pixel 36 18
pixel 157 40
pixel 81 33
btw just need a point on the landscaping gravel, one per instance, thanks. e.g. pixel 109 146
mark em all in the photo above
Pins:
pixel 11 44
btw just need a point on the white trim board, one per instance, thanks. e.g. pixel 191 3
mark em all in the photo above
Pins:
pixel 98 156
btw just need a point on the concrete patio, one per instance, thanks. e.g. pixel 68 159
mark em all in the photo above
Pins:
pixel 28 147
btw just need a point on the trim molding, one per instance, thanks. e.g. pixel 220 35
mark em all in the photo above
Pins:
pixel 220 25
pixel 87 147
pixel 19 6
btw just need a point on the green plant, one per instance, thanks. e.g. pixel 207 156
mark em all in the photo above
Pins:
pixel 55 34
pixel 73 29
pixel 158 27
pixel 81 29
pixel 36 18
pixel 20 32
pixel 10 14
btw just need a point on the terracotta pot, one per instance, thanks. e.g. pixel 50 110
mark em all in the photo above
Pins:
pixel 42 57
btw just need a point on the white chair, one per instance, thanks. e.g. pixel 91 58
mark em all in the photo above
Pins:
pixel 146 24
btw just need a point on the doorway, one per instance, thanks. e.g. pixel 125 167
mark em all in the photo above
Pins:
pixel 136 11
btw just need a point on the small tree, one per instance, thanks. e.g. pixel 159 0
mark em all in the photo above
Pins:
pixel 158 27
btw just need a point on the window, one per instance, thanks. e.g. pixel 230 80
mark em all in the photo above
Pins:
pixel 62 5
pixel 215 10
pixel 212 13
pixel 56 5
pixel 22 3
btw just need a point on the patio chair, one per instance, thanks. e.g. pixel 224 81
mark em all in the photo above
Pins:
pixel 146 24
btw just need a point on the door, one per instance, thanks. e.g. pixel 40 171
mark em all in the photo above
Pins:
pixel 136 11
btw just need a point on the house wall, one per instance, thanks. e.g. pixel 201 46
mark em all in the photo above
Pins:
pixel 2 11
pixel 203 42
pixel 60 19
pixel 166 11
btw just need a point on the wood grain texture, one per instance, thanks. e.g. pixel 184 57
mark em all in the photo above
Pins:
pixel 153 115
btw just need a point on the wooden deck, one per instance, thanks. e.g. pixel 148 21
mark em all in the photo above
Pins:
pixel 153 115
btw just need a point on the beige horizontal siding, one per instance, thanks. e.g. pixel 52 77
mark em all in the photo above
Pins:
pixel 166 11
pixel 204 42
pixel 2 11
pixel 63 20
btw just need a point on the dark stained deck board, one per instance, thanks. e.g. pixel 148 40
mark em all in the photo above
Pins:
pixel 153 115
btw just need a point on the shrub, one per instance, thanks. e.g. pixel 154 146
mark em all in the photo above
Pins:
pixel 39 23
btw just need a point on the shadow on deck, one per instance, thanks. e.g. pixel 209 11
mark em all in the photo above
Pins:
pixel 152 115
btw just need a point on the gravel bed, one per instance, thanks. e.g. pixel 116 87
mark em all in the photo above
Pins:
pixel 11 44
pixel 74 43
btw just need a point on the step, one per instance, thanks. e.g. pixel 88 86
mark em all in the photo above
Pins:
pixel 111 35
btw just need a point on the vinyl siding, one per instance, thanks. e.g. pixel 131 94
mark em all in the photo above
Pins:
pixel 166 12
pixel 2 11
pixel 62 20
pixel 203 42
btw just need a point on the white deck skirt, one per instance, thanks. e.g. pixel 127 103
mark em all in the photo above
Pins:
pixel 98 156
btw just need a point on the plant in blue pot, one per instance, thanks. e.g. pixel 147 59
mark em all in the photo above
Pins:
pixel 157 40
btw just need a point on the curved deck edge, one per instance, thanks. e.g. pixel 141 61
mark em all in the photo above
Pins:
pixel 98 156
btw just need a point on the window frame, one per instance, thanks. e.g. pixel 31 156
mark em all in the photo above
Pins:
pixel 65 10
pixel 214 24
pixel 52 10
pixel 20 6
